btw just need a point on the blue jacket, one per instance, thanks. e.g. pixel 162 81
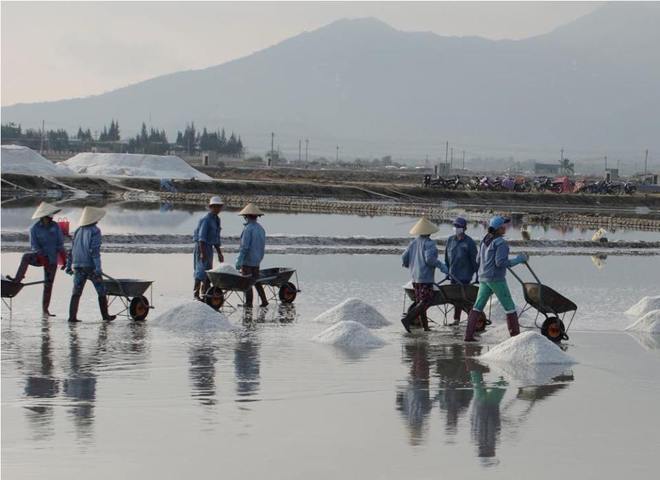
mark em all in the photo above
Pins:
pixel 461 258
pixel 86 251
pixel 208 230
pixel 421 257
pixel 253 245
pixel 47 240
pixel 494 259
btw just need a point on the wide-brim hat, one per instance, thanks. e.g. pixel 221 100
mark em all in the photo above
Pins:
pixel 251 209
pixel 91 215
pixel 216 201
pixel 423 227
pixel 497 221
pixel 45 210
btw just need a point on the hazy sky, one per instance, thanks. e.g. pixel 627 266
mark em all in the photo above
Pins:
pixel 55 50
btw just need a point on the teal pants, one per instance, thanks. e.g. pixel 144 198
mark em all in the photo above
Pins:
pixel 501 291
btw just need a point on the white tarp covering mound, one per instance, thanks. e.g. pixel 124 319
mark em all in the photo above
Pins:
pixel 226 268
pixel 355 310
pixel 349 334
pixel 133 165
pixel 649 323
pixel 25 161
pixel 193 316
pixel 528 348
pixel 644 306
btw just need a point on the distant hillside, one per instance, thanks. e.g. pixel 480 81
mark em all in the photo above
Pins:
pixel 591 84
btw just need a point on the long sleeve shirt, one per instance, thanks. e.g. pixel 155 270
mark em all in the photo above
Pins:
pixel 421 257
pixel 253 245
pixel 494 259
pixel 86 251
pixel 47 240
pixel 461 258
pixel 208 230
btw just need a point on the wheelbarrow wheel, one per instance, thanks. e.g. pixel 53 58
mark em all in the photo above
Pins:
pixel 288 293
pixel 139 308
pixel 553 329
pixel 482 322
pixel 214 298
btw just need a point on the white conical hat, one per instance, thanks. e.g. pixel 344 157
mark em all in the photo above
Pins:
pixel 45 210
pixel 251 209
pixel 91 215
pixel 423 227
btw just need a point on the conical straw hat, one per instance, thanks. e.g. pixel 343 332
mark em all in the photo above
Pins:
pixel 423 227
pixel 45 210
pixel 251 209
pixel 91 215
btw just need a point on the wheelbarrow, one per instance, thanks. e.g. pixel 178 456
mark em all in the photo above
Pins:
pixel 548 303
pixel 276 282
pixel 130 293
pixel 11 288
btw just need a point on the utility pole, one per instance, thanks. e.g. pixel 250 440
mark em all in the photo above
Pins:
pixel 41 145
pixel 299 150
pixel 463 159
pixel 272 143
pixel 446 152
pixel 337 159
pixel 605 163
pixel 307 149
pixel 451 159
pixel 646 161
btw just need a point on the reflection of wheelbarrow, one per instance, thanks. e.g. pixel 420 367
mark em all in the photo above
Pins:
pixel 448 296
pixel 131 294
pixel 276 282
pixel 10 289
pixel 549 303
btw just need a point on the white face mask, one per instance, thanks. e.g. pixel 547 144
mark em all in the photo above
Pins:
pixel 458 230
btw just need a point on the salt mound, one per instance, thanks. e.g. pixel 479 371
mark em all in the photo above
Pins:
pixel 349 334
pixel 649 323
pixel 25 161
pixel 225 268
pixel 133 165
pixel 193 316
pixel 526 349
pixel 354 310
pixel 495 334
pixel 644 306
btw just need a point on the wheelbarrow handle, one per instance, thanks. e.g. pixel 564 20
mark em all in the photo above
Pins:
pixel 121 289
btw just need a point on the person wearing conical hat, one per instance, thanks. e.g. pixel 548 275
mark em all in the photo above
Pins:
pixel 421 257
pixel 206 237
pixel 85 262
pixel 46 243
pixel 251 252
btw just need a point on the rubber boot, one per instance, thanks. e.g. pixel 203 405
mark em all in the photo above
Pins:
pixel 73 308
pixel 425 321
pixel 408 318
pixel 472 319
pixel 457 315
pixel 198 284
pixel 103 306
pixel 262 295
pixel 249 295
pixel 512 323
pixel 45 302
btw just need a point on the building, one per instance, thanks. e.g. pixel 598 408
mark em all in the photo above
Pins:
pixel 546 168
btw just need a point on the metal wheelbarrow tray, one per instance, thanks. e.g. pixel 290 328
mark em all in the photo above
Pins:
pixel 130 293
pixel 10 289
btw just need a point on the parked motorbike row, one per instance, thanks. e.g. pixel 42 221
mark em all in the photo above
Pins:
pixel 523 184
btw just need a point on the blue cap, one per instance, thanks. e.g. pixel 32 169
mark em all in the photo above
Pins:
pixel 460 222
pixel 498 221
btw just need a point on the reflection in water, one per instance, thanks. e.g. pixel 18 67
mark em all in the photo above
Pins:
pixel 599 260
pixel 202 373
pixel 247 367
pixel 485 421
pixel 414 400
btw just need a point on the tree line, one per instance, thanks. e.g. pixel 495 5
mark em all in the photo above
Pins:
pixel 148 141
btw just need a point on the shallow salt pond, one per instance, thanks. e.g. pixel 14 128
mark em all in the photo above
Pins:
pixel 133 400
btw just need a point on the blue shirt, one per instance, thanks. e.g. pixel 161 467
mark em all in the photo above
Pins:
pixel 421 257
pixel 494 259
pixel 253 244
pixel 46 240
pixel 208 230
pixel 461 258
pixel 86 251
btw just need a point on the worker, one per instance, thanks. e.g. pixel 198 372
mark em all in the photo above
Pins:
pixel 206 237
pixel 84 262
pixel 46 246
pixel 251 252
pixel 421 257
pixel 460 258
pixel 493 261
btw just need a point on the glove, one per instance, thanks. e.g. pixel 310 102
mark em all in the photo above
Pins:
pixel 443 268
pixel 69 271
pixel 522 258
pixel 238 265
pixel 98 274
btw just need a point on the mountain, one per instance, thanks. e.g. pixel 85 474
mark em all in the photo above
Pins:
pixel 591 86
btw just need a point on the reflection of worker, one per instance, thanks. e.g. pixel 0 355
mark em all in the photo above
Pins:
pixel 206 237
pixel 46 243
pixel 486 422
pixel 84 263
pixel 247 367
pixel 461 258
pixel 493 261
pixel 414 401
pixel 251 252
pixel 421 257
pixel 202 373
pixel 454 394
